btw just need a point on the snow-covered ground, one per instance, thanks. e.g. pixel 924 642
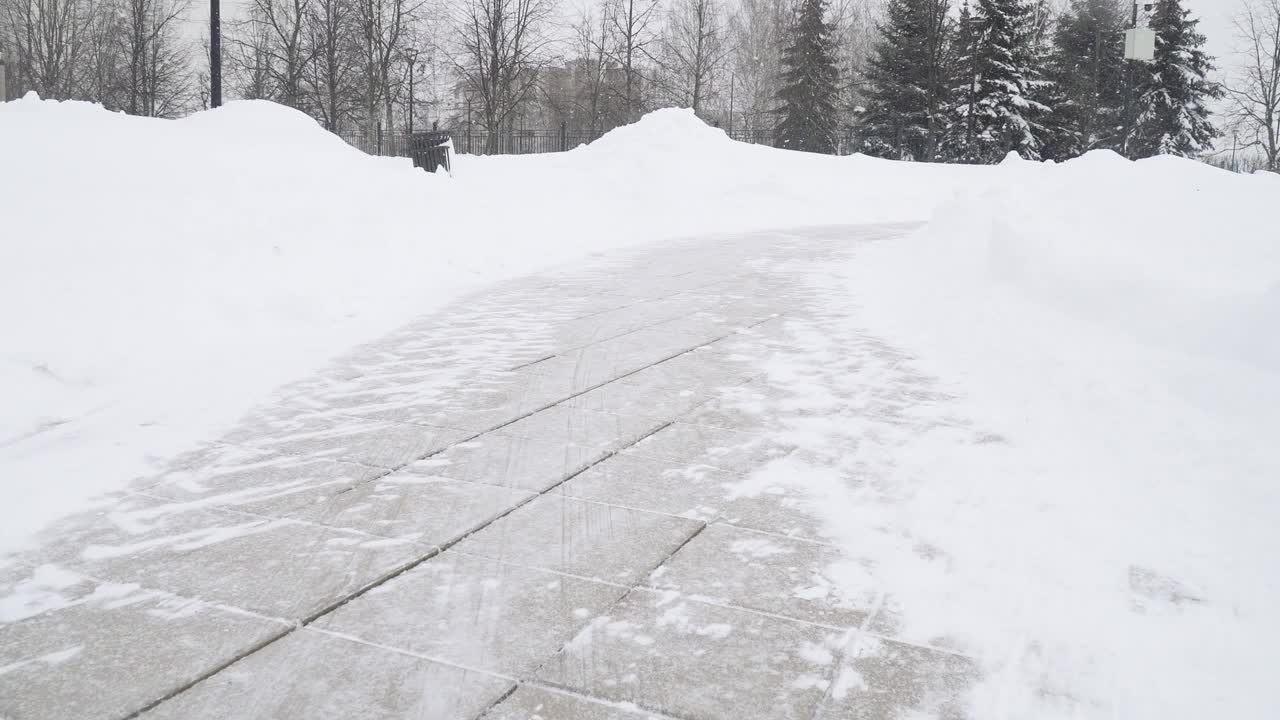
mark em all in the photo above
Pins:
pixel 1106 328
pixel 158 278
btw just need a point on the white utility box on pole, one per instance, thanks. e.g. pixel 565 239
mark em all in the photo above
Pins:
pixel 1140 44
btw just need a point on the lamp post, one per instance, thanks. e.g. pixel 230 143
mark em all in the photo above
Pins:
pixel 215 54
pixel 4 90
pixel 411 59
pixel 732 78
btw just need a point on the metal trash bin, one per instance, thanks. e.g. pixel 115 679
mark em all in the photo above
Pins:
pixel 430 150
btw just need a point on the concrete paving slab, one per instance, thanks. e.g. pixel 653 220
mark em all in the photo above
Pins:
pixel 705 369
pixel 886 680
pixel 604 542
pixel 671 655
pixel 622 398
pixel 772 509
pixel 277 567
pixel 530 702
pixel 475 612
pixel 652 484
pixel 483 405
pixel 257 481
pixel 499 458
pixel 728 450
pixel 73 648
pixel 777 575
pixel 381 444
pixel 575 426
pixel 311 675
pixel 424 510
pixel 755 406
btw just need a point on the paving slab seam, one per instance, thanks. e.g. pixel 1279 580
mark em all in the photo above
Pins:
pixel 640 706
pixel 497 701
pixel 632 508
pixel 646 511
pixel 231 510
pixel 550 571
pixel 710 602
pixel 255 647
pixel 783 536
pixel 848 647
pixel 224 607
pixel 564 351
pixel 586 697
pixel 531 363
pixel 410 653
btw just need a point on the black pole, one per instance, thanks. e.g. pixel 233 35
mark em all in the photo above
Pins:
pixel 411 64
pixel 215 55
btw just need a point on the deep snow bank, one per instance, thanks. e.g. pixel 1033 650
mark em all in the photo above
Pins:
pixel 157 278
pixel 1114 325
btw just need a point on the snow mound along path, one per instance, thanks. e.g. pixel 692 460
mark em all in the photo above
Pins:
pixel 1113 323
pixel 671 131
pixel 1165 250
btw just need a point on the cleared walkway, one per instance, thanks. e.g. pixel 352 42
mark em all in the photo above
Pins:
pixel 527 505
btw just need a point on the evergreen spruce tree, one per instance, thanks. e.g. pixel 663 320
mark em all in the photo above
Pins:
pixel 959 142
pixel 1171 115
pixel 1002 110
pixel 909 73
pixel 810 83
pixel 1087 70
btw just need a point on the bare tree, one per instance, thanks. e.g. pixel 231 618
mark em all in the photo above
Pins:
pixel 631 37
pixel 855 22
pixel 694 51
pixel 274 42
pixel 383 29
pixel 593 41
pixel 331 43
pixel 157 60
pixel 47 40
pixel 503 46
pixel 1254 92
pixel 104 72
pixel 248 59
pixel 756 61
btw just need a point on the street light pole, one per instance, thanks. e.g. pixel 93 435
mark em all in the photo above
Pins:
pixel 4 91
pixel 215 54
pixel 731 83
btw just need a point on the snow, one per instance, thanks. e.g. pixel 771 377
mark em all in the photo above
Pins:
pixel 1097 531
pixel 1107 549
pixel 158 278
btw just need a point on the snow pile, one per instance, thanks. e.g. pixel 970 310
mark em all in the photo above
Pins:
pixel 158 278
pixel 1112 326
pixel 671 175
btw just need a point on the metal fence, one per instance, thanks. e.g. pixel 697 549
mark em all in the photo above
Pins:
pixel 525 142
pixel 476 142
pixel 390 144
pixel 518 142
